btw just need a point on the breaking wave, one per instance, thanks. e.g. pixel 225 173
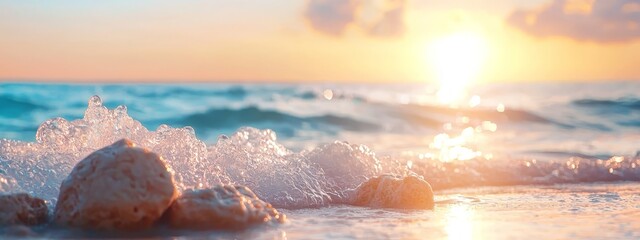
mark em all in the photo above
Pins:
pixel 254 158
pixel 235 118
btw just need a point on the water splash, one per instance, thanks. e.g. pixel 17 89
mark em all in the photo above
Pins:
pixel 250 157
pixel 254 158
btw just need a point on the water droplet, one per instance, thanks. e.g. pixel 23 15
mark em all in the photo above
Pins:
pixel 190 130
pixel 327 94
pixel 222 137
pixel 163 128
pixel 272 135
pixel 95 101
pixel 121 110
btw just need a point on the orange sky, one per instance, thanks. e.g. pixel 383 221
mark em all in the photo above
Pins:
pixel 316 40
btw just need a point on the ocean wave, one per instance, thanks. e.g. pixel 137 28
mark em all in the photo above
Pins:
pixel 254 158
pixel 334 95
pixel 429 114
pixel 232 92
pixel 218 118
pixel 622 111
pixel 12 107
pixel 620 105
pixel 249 157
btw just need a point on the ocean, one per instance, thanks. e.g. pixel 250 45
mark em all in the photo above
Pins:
pixel 508 161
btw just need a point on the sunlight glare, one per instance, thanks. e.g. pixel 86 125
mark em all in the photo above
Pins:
pixel 452 148
pixel 459 223
pixel 457 60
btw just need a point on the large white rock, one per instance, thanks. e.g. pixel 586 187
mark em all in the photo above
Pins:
pixel 22 209
pixel 388 191
pixel 118 187
pixel 222 207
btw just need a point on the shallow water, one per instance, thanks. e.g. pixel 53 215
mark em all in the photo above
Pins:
pixel 574 211
pixel 585 211
pixel 528 138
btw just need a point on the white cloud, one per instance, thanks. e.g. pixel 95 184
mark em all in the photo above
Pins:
pixel 590 20
pixel 382 18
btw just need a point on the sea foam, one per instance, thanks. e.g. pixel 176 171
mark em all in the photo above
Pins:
pixel 249 157
pixel 254 158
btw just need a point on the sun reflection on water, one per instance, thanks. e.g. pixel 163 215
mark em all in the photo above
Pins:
pixel 459 141
pixel 459 222
pixel 457 60
pixel 454 147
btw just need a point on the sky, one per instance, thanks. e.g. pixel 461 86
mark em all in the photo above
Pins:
pixel 320 40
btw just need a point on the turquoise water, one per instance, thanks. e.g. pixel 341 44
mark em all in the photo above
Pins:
pixel 304 147
pixel 565 119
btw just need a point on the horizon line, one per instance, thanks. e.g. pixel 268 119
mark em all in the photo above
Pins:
pixel 283 81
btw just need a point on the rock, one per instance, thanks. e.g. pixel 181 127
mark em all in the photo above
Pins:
pixel 222 207
pixel 387 191
pixel 119 187
pixel 22 209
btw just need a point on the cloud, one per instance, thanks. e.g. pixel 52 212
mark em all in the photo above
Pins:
pixel 380 18
pixel 590 20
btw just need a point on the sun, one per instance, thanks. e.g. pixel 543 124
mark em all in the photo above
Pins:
pixel 456 60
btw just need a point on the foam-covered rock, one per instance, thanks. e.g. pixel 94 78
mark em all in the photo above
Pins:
pixel 388 191
pixel 118 187
pixel 221 207
pixel 22 209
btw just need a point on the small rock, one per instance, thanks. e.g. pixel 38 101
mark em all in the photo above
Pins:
pixel 387 191
pixel 22 209
pixel 119 187
pixel 222 207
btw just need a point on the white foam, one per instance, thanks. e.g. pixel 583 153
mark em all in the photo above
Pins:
pixel 254 158
pixel 249 157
